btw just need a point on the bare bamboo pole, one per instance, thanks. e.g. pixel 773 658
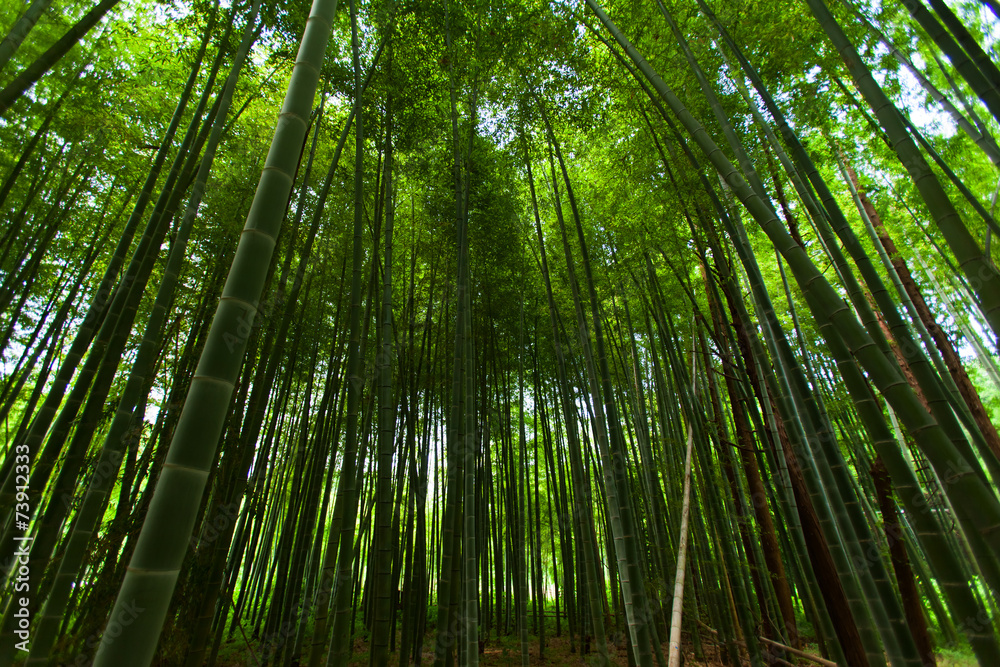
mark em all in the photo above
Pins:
pixel 674 656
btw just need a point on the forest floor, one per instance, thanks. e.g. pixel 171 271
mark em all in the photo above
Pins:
pixel 557 652
pixel 505 652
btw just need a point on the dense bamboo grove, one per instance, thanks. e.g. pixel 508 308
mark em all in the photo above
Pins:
pixel 484 333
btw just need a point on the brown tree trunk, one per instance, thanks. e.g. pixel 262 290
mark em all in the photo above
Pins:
pixel 948 353
pixel 758 496
pixel 834 597
pixel 904 365
pixel 767 628
pixel 901 564
pixel 793 224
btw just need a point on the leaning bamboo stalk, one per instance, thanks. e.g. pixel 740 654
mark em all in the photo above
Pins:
pixel 161 545
pixel 37 69
pixel 801 654
pixel 20 30
pixel 795 651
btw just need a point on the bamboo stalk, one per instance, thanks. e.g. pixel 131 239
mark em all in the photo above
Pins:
pixel 674 659
pixel 795 651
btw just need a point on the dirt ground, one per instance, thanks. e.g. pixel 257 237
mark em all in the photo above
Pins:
pixel 504 652
pixel 557 653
